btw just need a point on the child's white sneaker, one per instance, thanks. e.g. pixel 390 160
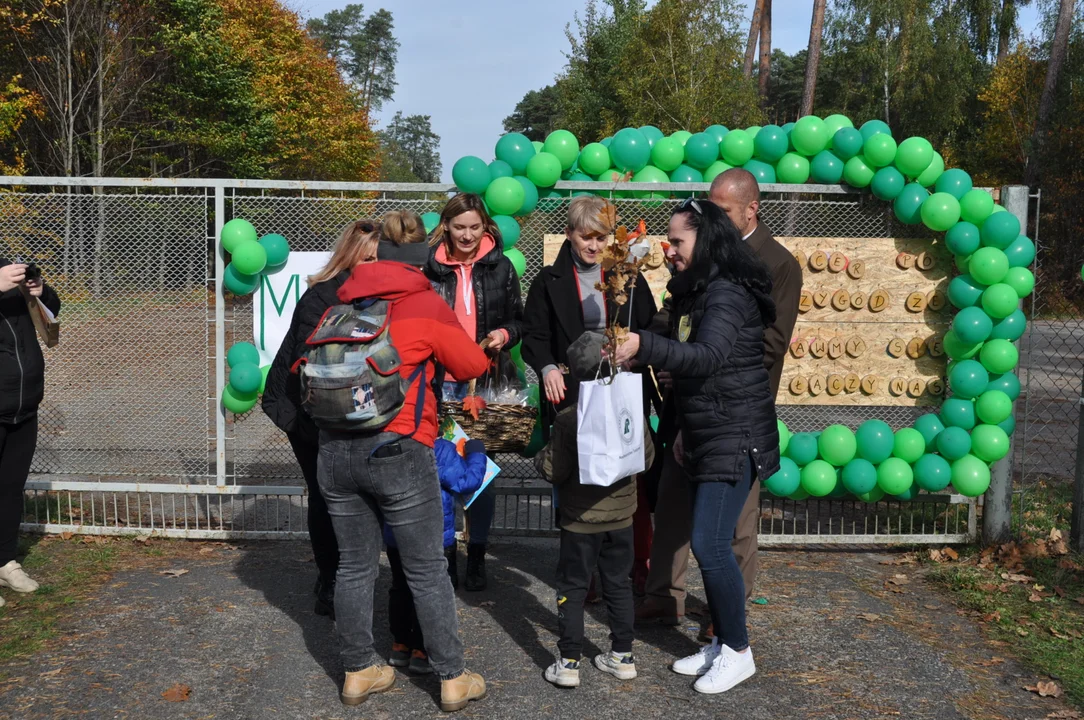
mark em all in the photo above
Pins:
pixel 621 665
pixel 564 673
pixel 700 663
pixel 728 669
pixel 13 576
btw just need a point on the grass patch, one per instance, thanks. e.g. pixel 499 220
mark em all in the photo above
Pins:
pixel 1030 594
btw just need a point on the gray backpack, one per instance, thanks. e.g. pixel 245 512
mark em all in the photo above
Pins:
pixel 350 374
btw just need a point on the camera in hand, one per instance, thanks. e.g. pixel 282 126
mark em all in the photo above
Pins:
pixel 33 273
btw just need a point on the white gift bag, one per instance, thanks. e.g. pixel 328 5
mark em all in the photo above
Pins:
pixel 610 429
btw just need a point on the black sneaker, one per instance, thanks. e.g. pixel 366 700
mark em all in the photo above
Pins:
pixel 450 553
pixel 476 567
pixel 325 597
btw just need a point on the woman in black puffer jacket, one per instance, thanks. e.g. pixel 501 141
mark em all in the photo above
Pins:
pixel 282 393
pixel 22 386
pixel 469 270
pixel 725 412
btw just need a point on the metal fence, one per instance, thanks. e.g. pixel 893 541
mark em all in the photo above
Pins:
pixel 132 437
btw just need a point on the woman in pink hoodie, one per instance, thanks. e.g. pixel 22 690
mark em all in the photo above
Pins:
pixel 469 270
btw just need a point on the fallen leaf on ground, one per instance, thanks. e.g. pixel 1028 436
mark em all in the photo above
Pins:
pixel 1034 550
pixel 932 607
pixel 905 559
pixel 990 663
pixel 143 539
pixel 177 693
pixel 950 553
pixel 206 551
pixel 995 616
pixel 66 535
pixel 487 603
pixel 870 617
pixel 1065 715
pixel 899 580
pixel 1021 632
pixel 1009 555
pixel 173 573
pixel 1067 564
pixel 1017 577
pixel 1044 689
pixel 1035 597
pixel 1080 600
pixel 1058 635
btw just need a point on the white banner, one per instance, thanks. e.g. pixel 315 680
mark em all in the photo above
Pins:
pixel 274 301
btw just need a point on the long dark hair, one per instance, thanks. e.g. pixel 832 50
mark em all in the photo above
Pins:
pixel 721 252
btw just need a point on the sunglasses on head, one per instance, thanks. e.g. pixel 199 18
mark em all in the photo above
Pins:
pixel 364 226
pixel 689 203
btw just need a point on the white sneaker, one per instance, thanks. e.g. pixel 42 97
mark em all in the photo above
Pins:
pixel 3 602
pixel 621 665
pixel 12 576
pixel 564 673
pixel 729 669
pixel 699 663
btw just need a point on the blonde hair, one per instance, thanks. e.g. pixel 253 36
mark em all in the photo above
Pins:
pixel 402 227
pixel 584 215
pixel 355 246
pixel 463 203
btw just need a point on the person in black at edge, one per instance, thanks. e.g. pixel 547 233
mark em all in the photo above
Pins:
pixel 22 386
pixel 282 394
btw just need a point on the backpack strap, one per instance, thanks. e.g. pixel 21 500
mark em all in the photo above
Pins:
pixel 419 407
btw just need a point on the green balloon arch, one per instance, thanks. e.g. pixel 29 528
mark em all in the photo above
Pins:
pixel 956 446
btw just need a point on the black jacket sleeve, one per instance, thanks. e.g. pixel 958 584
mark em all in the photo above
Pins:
pixel 724 315
pixel 644 307
pixel 513 308
pixel 536 327
pixel 50 299
pixel 277 402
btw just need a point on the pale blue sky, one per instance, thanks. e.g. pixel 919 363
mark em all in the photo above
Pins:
pixel 468 63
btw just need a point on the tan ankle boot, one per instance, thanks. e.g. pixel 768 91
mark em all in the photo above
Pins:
pixel 360 685
pixel 457 692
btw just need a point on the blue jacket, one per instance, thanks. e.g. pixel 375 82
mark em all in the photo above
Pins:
pixel 459 476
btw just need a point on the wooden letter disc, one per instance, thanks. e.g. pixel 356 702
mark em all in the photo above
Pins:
pixel 837 263
pixel 915 387
pixel 916 302
pixel 852 383
pixel 897 386
pixel 896 348
pixel 799 349
pixel 841 299
pixel 805 302
pixel 816 385
pixel 856 269
pixel 818 261
pixel 818 348
pixel 821 297
pixel 798 385
pixel 936 301
pixel 858 300
pixel 835 348
pixel 856 346
pixel 905 261
pixel 916 348
pixel 936 346
pixel 935 386
pixel 870 383
pixel 924 261
pixel 879 300
pixel 835 384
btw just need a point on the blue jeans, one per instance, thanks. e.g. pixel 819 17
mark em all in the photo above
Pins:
pixel 398 484
pixel 481 510
pixel 716 508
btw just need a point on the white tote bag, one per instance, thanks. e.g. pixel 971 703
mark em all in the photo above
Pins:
pixel 610 429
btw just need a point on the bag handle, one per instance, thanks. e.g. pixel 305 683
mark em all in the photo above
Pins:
pixel 473 386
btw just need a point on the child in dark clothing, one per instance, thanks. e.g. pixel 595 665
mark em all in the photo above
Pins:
pixel 461 473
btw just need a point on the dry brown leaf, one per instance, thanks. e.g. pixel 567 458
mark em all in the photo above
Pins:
pixel 608 215
pixel 990 663
pixel 1064 715
pixel 177 572
pixel 1045 689
pixel 932 607
pixel 1018 578
pixel 1021 632
pixel 1080 600
pixel 899 580
pixel 1067 564
pixel 206 551
pixel 177 693
pixel 1059 635
pixel 1035 597
pixel 66 535
pixel 950 553
pixel 1009 556
pixel 869 617
pixel 905 559
pixel 995 616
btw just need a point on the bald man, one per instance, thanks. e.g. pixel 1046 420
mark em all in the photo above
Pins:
pixel 737 193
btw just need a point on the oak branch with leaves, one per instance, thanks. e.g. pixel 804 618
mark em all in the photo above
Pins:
pixel 621 263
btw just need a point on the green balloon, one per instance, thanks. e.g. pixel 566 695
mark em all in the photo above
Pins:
pixel 940 212
pixel 846 143
pixel 931 174
pixel 958 412
pixel 799 495
pixel 1010 328
pixel 837 445
pixel 537 145
pixel 238 403
pixel 650 174
pixel 810 135
pixel 237 232
pixel 998 209
pixel 894 476
pixel 969 379
pixel 857 172
pixel 667 154
pixel 530 196
pixel 872 127
pixel 1000 301
pixel 930 426
pixel 1021 252
pixel 498 168
pixel 685 174
pixel 975 206
pixel 701 150
pixel 993 406
pixel 859 476
pixel 519 263
pixel 835 123
pixel 245 378
pixel 826 168
pixel 763 172
pixel 505 196
pixel 770 144
pixel 784 436
pixel 913 156
pixel 564 146
pixel 879 151
pixel 957 349
pixel 962 263
pixel 753 131
pixel 875 441
pixel 908 204
pixel 263 377
pixel 932 473
pixel 594 159
pixel 1009 426
pixel 544 169
pixel 430 220
pixel 613 176
pixel 1007 383
pixel 818 478
pixel 716 168
pixel 471 175
pixel 630 150
pixel 239 283
pixel 509 229
pixel 909 494
pixel 970 476
pixel 802 448
pixel 737 148
pixel 972 325
pixel 989 443
pixel 872 496
pixel 989 265
pixel 242 353
pixel 962 238
pixel 717 131
pixel 516 150
pixel 888 182
pixel 682 136
pixel 953 443
pixel 964 291
pixel 652 133
pixel 955 182
pixel 249 258
pixel 999 356
pixel 786 481
pixel 908 445
pixel 1000 230
pixel 276 247
pixel 792 169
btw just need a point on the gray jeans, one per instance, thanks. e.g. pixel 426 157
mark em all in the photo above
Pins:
pixel 400 485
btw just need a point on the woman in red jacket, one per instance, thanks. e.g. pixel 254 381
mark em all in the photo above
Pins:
pixel 392 475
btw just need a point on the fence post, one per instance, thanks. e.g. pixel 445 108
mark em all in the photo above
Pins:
pixel 997 503
pixel 1076 527
pixel 220 338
